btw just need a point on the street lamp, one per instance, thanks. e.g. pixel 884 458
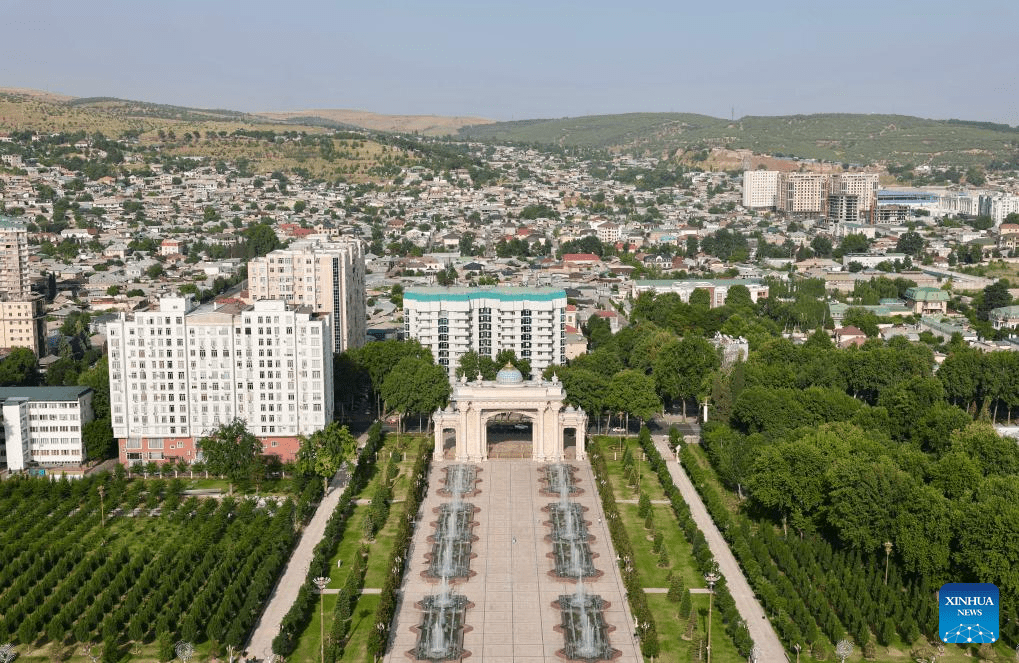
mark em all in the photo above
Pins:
pixel 102 506
pixel 843 650
pixel 711 578
pixel 755 654
pixel 888 551
pixel 184 650
pixel 797 647
pixel 321 583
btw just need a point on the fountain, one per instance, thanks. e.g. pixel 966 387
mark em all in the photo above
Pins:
pixel 460 480
pixel 451 547
pixel 584 627
pixel 440 635
pixel 559 480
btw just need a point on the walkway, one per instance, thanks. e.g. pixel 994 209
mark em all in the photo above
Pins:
pixel 763 634
pixel 512 619
pixel 285 592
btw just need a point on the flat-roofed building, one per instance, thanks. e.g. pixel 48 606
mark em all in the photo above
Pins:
pixel 455 321
pixel 44 425
pixel 180 372
pixel 14 259
pixel 23 325
pixel 760 189
pixel 322 273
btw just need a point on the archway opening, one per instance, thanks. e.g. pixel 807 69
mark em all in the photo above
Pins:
pixel 509 435
pixel 448 437
pixel 570 443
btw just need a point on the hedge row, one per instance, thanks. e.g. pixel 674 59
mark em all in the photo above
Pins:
pixel 734 624
pixel 346 599
pixel 297 618
pixel 621 541
pixel 398 562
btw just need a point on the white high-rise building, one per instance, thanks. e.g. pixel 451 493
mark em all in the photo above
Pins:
pixel 760 188
pixel 326 275
pixel 44 425
pixel 454 321
pixel 179 372
pixel 14 260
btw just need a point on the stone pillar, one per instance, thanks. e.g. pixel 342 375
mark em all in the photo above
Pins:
pixel 439 428
pixel 581 443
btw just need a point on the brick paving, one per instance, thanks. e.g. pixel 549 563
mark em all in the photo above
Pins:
pixel 512 591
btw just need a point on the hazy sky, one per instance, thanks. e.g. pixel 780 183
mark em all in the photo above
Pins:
pixel 526 59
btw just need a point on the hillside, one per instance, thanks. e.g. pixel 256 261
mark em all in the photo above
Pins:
pixel 216 134
pixel 852 138
pixel 426 125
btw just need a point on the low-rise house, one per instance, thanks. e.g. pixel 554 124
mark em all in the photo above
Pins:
pixel 927 300
pixel 1004 317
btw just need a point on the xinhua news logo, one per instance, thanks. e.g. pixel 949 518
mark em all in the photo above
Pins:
pixel 968 612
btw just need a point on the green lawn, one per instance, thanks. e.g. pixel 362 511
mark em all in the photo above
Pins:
pixel 674 648
pixel 378 560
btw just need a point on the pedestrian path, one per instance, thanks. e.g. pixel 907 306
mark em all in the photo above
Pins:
pixel 285 592
pixel 769 646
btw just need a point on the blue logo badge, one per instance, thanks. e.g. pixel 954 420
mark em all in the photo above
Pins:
pixel 968 612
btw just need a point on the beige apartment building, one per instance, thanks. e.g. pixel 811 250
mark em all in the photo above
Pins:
pixel 13 259
pixel 23 325
pixel 801 193
pixel 326 275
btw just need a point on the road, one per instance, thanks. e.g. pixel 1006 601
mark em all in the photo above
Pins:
pixel 285 593
pixel 768 644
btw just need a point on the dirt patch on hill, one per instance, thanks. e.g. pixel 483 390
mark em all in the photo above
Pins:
pixel 429 125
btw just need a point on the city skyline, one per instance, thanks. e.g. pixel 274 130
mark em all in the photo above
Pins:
pixel 527 60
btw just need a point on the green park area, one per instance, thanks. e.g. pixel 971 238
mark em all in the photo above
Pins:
pixel 651 527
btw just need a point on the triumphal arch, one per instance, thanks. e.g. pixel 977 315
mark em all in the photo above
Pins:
pixel 537 405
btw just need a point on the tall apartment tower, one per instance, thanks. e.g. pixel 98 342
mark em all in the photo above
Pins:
pixel 325 275
pixel 179 372
pixel 760 189
pixel 14 260
pixel 454 321
pixel 862 185
pixel 801 193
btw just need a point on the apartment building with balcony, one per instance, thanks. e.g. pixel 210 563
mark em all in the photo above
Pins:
pixel 322 273
pixel 179 372
pixel 454 321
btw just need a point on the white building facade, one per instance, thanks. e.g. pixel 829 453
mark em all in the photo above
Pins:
pixel 178 373
pixel 760 189
pixel 454 321
pixel 325 274
pixel 717 289
pixel 43 425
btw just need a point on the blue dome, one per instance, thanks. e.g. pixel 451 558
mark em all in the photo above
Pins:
pixel 509 374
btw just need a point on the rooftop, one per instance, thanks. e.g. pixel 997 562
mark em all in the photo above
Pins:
pixel 430 294
pixel 44 393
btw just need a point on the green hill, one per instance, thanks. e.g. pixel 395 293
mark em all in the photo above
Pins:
pixel 850 138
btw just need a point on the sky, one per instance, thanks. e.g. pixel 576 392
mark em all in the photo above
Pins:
pixel 526 59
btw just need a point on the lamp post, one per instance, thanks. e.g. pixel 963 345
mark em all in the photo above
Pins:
pixel 843 650
pixel 797 648
pixel 102 506
pixel 185 651
pixel 711 578
pixel 321 583
pixel 888 551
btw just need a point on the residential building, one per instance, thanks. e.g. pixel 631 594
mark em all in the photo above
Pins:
pixel 326 275
pixel 843 208
pixel 1004 317
pixel 760 189
pixel 801 193
pixel 862 185
pixel 14 259
pixel 608 232
pixel 179 372
pixel 43 425
pixel 718 289
pixel 23 324
pixel 927 300
pixel 455 321
pixel 1008 237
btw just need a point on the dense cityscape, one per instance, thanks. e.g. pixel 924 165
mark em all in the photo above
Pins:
pixel 526 370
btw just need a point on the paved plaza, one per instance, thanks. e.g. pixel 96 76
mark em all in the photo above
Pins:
pixel 512 591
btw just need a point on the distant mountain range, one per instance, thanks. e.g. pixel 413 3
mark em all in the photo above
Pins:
pixel 850 138
pixel 847 138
